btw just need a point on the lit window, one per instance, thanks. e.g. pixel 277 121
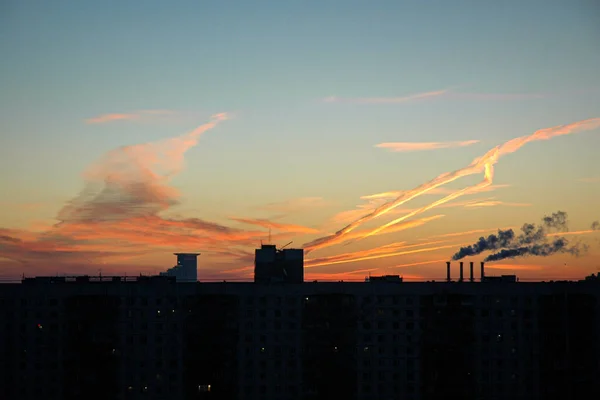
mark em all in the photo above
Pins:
pixel 204 388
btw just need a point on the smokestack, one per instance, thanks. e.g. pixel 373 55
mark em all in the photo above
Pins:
pixel 482 271
pixel 461 272
pixel 471 278
pixel 447 271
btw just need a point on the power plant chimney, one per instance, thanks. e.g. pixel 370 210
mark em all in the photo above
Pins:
pixel 482 271
pixel 471 278
pixel 447 271
pixel 461 272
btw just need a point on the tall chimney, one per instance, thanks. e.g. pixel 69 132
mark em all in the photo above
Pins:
pixel 461 272
pixel 482 271
pixel 471 279
pixel 447 271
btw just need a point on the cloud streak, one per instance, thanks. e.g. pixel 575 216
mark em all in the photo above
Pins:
pixel 292 228
pixel 484 164
pixel 386 100
pixel 590 180
pixel 132 116
pixel 295 205
pixel 390 250
pixel 423 146
pixel 443 93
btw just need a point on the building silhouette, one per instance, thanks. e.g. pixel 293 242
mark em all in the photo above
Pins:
pixel 186 269
pixel 278 265
pixel 157 338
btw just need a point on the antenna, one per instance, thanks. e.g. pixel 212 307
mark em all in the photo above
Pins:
pixel 286 245
pixel 269 235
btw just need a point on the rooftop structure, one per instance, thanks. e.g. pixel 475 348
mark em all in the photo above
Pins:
pixel 278 265
pixel 186 269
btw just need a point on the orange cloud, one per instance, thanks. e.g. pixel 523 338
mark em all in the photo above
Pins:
pixel 421 146
pixel 133 116
pixel 391 229
pixel 386 100
pixel 515 267
pixel 464 233
pixel 292 228
pixel 122 212
pixel 338 276
pixel 418 263
pixel 494 203
pixel 439 190
pixel 391 250
pixel 295 205
pixel 584 232
pixel 590 180
pixel 378 199
pixel 481 164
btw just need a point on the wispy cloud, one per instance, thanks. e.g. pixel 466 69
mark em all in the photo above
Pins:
pixel 494 203
pixel 264 223
pixel 445 93
pixel 123 211
pixel 132 116
pixel 375 200
pixel 515 267
pixel 295 205
pixel 391 229
pixel 438 190
pixel 483 164
pixel 423 146
pixel 390 250
pixel 595 179
pixel 497 96
pixel 385 100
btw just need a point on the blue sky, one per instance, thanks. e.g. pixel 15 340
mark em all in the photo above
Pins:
pixel 520 66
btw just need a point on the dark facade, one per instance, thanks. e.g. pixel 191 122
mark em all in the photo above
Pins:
pixel 329 346
pixel 386 339
pixel 569 346
pixel 91 359
pixel 447 347
pixel 210 338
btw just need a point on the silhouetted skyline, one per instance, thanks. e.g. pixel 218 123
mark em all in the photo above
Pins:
pixel 381 139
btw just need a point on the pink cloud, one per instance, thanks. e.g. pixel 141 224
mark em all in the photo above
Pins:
pixel 133 116
pixel 385 100
pixel 422 146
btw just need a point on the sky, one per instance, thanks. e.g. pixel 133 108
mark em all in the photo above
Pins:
pixel 381 137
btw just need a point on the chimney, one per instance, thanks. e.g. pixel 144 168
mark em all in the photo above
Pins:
pixel 471 278
pixel 482 271
pixel 447 271
pixel 461 272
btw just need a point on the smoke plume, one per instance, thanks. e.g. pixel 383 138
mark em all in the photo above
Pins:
pixel 533 241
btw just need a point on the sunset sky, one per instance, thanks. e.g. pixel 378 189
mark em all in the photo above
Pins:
pixel 132 130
